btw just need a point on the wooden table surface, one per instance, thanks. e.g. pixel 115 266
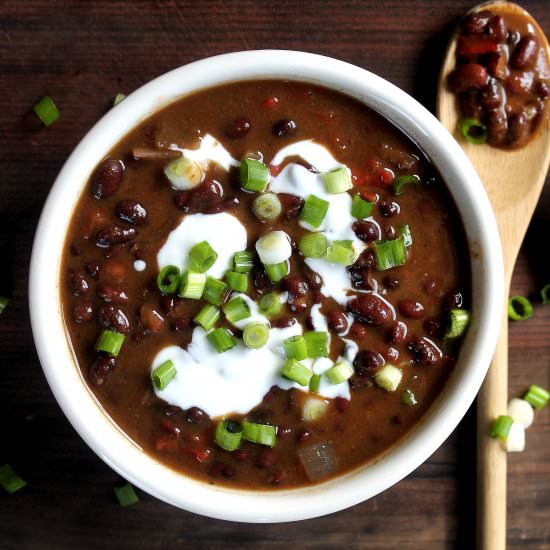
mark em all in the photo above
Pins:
pixel 83 53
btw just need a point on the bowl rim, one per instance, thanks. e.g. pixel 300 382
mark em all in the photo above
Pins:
pixel 103 435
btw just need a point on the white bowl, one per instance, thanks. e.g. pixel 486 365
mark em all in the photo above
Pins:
pixel 124 456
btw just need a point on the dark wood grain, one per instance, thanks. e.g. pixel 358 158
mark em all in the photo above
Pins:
pixel 83 53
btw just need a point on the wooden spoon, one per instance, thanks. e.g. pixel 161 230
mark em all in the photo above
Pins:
pixel 513 180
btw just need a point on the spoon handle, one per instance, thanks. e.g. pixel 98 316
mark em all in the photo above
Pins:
pixel 491 458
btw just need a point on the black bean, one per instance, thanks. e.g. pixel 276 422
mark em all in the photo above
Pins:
pixel 312 278
pixel 397 333
pixel 114 234
pixel 83 312
pixel 525 53
pixel 107 178
pixel 470 76
pixel 285 128
pixel 498 29
pixel 391 282
pixel 93 269
pixel 131 211
pixel 194 415
pixel 100 369
pixel 337 321
pixel 476 23
pixel 110 316
pixel 411 309
pixel 518 131
pixel 112 294
pixel 367 361
pixel 371 309
pixel 497 126
pixel 292 205
pixel 388 208
pixel 366 230
pixel 237 128
pixel 79 285
pixel 426 352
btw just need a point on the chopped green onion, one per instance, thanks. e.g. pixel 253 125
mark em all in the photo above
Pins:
pixel 315 383
pixel 243 262
pixel 314 211
pixel 360 208
pixel 390 253
pixel 401 181
pixel 276 272
pixel 256 335
pixel 202 257
pixel 126 495
pixel 274 247
pixel 164 374
pixel 254 175
pixel 215 291
pixel 409 398
pixel 297 372
pixel 388 377
pixel 337 180
pixel 110 342
pixel 184 173
pixel 473 131
pixel 339 373
pixel 192 285
pixel 236 310
pixel 46 110
pixel 237 281
pixel 545 294
pixel 537 396
pixel 221 339
pixel 207 317
pixel 295 347
pixel 501 427
pixel 168 279
pixel 228 435
pixel 519 308
pixel 405 231
pixel 314 408
pixel 10 480
pixel 264 434
pixel 119 97
pixel 270 304
pixel 341 252
pixel 458 321
pixel 313 245
pixel 3 303
pixel 316 343
pixel 267 207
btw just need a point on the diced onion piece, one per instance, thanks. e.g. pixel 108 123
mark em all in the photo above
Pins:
pixel 339 373
pixel 360 208
pixel 254 175
pixel 501 427
pixel 313 408
pixel 297 372
pixel 515 442
pixel 405 231
pixel 184 173
pixel 164 374
pixel 228 435
pixel 401 181
pixel 267 207
pixel 202 257
pixel 521 412
pixel 236 310
pixel 409 398
pixel 264 434
pixel 295 347
pixel 390 253
pixel 317 343
pixel 341 252
pixel 119 97
pixel 3 303
pixel 274 248
pixel 337 180
pixel 256 335
pixel 458 321
pixel 207 317
pixel 313 245
pixel 319 460
pixel 314 211
pixel 473 131
pixel 237 281
pixel 192 285
pixel 126 495
pixel 221 339
pixel 545 294
pixel 315 383
pixel 388 377
pixel 276 272
pixel 270 304
pixel 110 342
pixel 537 396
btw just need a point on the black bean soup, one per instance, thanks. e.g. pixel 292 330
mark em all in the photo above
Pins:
pixel 265 284
pixel 502 79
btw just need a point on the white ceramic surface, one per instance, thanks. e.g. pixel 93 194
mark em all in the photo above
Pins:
pixel 123 455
